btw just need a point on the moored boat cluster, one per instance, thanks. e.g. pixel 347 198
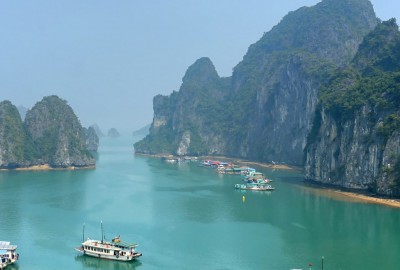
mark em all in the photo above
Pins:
pixel 252 180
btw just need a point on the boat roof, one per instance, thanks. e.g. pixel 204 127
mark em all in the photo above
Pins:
pixel 125 244
pixel 120 244
pixel 4 245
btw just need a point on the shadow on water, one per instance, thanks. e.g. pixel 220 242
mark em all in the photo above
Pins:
pixel 13 266
pixel 95 263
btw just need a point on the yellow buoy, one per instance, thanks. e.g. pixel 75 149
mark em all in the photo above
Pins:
pixel 243 198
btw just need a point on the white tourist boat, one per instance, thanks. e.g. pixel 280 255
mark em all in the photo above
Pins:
pixel 257 187
pixel 8 254
pixel 114 250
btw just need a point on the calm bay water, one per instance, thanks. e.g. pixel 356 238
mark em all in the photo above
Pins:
pixel 188 217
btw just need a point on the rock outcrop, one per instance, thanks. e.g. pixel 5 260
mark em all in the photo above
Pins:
pixel 98 131
pixel 113 133
pixel 92 140
pixel 15 147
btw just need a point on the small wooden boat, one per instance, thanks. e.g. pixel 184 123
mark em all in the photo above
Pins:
pixel 256 187
pixel 114 250
pixel 8 254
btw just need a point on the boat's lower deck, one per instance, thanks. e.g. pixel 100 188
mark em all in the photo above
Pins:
pixel 110 254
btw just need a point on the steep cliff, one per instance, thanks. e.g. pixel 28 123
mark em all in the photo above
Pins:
pixel 355 139
pixel 15 147
pixel 57 134
pixel 265 110
pixel 98 131
pixel 283 72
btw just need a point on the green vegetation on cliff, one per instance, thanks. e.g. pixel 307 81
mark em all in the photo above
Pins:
pixel 157 143
pixel 197 105
pixel 373 78
pixel 15 145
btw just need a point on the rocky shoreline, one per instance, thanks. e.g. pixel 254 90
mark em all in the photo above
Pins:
pixel 370 199
pixel 47 167
pixel 354 194
pixel 351 196
pixel 334 192
pixel 338 194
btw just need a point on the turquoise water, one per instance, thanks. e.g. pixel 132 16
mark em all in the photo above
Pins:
pixel 188 217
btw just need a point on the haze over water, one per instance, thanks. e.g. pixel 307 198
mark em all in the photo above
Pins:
pixel 108 59
pixel 188 217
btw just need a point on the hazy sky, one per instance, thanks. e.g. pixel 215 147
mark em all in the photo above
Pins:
pixel 109 58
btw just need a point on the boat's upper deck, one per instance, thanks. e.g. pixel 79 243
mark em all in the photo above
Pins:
pixel 4 245
pixel 107 245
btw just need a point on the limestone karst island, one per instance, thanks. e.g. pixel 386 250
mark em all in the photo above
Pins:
pixel 50 136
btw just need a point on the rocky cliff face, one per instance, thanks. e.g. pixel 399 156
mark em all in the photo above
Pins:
pixel 14 144
pixel 189 121
pixel 355 140
pixel 355 155
pixel 265 110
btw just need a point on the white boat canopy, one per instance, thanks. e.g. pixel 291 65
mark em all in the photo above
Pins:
pixel 6 246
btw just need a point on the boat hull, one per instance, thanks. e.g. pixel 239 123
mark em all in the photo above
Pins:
pixel 116 257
